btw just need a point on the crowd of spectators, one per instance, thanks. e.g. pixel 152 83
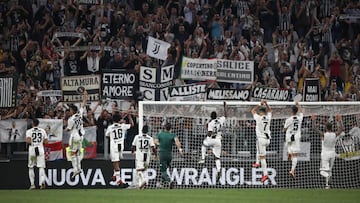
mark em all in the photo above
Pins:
pixel 288 40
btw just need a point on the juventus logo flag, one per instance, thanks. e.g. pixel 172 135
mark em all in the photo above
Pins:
pixel 157 48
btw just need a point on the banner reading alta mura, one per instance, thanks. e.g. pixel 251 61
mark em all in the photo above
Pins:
pixel 70 84
pixel 8 87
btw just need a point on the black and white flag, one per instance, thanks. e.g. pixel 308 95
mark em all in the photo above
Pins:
pixel 157 48
pixel 8 87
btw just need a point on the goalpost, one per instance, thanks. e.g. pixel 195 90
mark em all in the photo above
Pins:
pixel 238 145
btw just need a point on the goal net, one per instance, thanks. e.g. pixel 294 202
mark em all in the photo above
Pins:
pixel 239 145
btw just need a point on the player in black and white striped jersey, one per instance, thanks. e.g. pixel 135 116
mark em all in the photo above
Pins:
pixel 142 146
pixel 116 132
pixel 77 132
pixel 36 138
pixel 292 128
pixel 263 134
pixel 328 142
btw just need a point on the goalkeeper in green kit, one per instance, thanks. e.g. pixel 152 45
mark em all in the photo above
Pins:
pixel 165 140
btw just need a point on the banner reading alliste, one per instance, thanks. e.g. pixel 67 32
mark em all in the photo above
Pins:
pixel 191 92
pixel 70 84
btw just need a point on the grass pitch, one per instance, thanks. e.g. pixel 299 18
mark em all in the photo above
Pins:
pixel 182 196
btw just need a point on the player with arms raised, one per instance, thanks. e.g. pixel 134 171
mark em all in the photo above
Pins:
pixel 116 132
pixel 328 142
pixel 213 139
pixel 36 138
pixel 142 145
pixel 77 132
pixel 263 134
pixel 292 128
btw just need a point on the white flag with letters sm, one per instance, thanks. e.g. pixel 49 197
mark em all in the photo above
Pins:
pixel 157 48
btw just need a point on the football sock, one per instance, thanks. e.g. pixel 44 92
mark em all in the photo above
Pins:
pixel 327 180
pixel 141 177
pixel 74 163
pixel 117 175
pixel 257 160
pixel 218 165
pixel 203 151
pixel 31 176
pixel 264 166
pixel 78 162
pixel 294 163
pixel 41 176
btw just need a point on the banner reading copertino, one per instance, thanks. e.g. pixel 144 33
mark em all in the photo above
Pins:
pixel 198 69
pixel 70 84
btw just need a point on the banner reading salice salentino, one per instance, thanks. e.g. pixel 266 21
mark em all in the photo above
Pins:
pixel 271 93
pixel 228 94
pixel 70 84
pixel 198 69
pixel 118 85
pixel 235 71
pixel 8 87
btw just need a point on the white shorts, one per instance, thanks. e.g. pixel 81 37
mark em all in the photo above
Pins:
pixel 261 145
pixel 76 142
pixel 293 147
pixel 116 151
pixel 327 161
pixel 142 161
pixel 33 160
pixel 215 144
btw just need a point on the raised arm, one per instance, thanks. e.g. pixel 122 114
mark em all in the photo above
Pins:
pixel 268 109
pixel 178 145
pixel 339 125
pixel 131 121
pixel 299 107
pixel 255 109
pixel 313 118
pixel 85 97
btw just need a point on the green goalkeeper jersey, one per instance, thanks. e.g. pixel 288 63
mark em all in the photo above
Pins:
pixel 166 141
